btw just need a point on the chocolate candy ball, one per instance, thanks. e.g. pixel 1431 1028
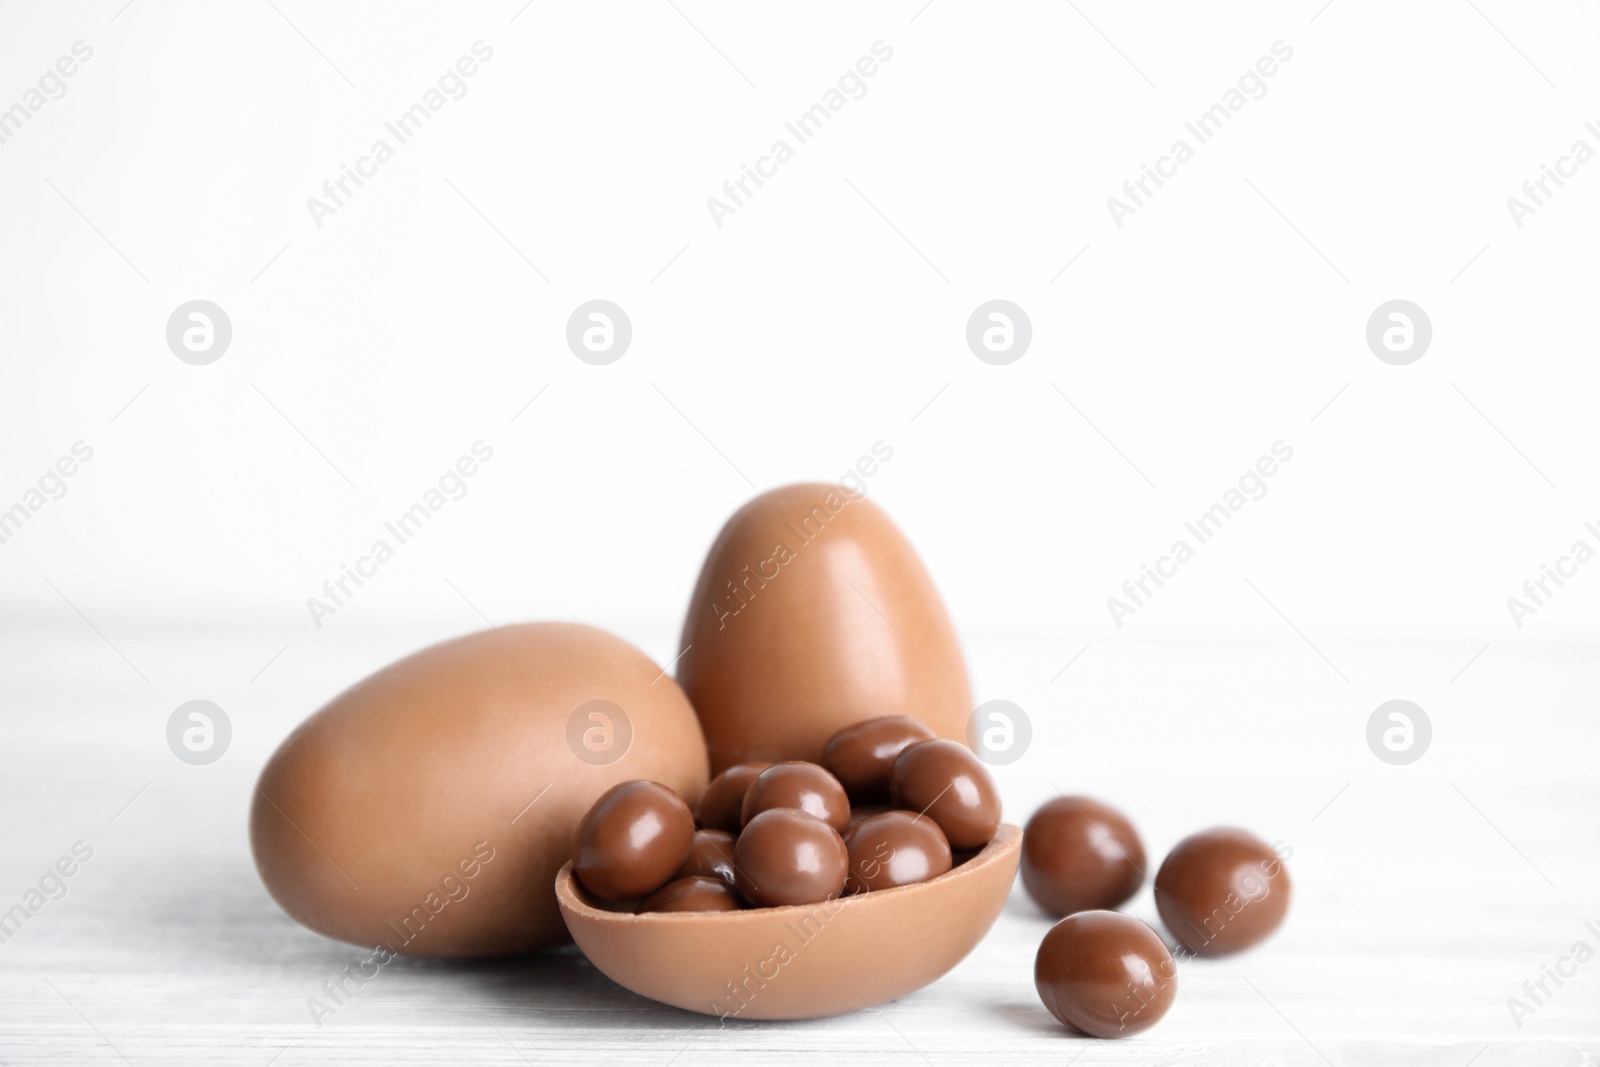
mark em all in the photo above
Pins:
pixel 895 848
pixel 1078 854
pixel 723 800
pixel 945 781
pixel 1221 891
pixel 862 755
pixel 710 856
pixel 785 856
pixel 633 840
pixel 693 894
pixel 1105 973
pixel 805 786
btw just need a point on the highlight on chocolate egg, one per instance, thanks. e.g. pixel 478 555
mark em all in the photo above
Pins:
pixel 813 612
pixel 804 803
pixel 429 807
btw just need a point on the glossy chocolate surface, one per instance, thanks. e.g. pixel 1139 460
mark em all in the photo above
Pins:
pixel 895 848
pixel 888 944
pixel 861 756
pixel 1106 974
pixel 805 786
pixel 946 782
pixel 812 612
pixel 421 771
pixel 710 856
pixel 1079 854
pixel 785 856
pixel 632 841
pixel 1221 891
pixel 693 894
pixel 723 802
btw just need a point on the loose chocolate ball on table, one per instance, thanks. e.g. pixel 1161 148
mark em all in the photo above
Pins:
pixel 1079 854
pixel 722 803
pixel 1221 891
pixel 796 784
pixel 1105 973
pixel 633 841
pixel 693 894
pixel 710 856
pixel 862 755
pixel 944 781
pixel 785 856
pixel 895 848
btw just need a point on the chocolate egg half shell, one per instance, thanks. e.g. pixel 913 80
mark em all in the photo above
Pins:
pixel 428 807
pixel 803 961
pixel 813 612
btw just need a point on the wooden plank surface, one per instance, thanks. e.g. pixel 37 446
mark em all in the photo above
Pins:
pixel 1425 895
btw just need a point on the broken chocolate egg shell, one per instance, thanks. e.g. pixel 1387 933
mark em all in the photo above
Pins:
pixel 793 962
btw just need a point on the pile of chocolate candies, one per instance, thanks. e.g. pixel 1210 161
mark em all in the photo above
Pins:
pixel 1106 974
pixel 889 806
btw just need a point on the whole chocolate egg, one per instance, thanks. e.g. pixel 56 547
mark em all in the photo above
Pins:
pixel 428 807
pixel 813 612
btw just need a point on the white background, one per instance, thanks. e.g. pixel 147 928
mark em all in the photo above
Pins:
pixel 827 314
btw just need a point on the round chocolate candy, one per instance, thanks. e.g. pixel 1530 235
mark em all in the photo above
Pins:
pixel 1079 854
pixel 632 841
pixel 805 786
pixel 710 856
pixel 1221 891
pixel 722 802
pixel 785 856
pixel 1105 973
pixel 693 894
pixel 862 755
pixel 945 781
pixel 895 848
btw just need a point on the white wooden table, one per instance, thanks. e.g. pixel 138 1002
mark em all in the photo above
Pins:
pixel 1425 895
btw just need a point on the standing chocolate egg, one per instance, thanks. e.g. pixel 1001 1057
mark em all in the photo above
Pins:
pixel 813 612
